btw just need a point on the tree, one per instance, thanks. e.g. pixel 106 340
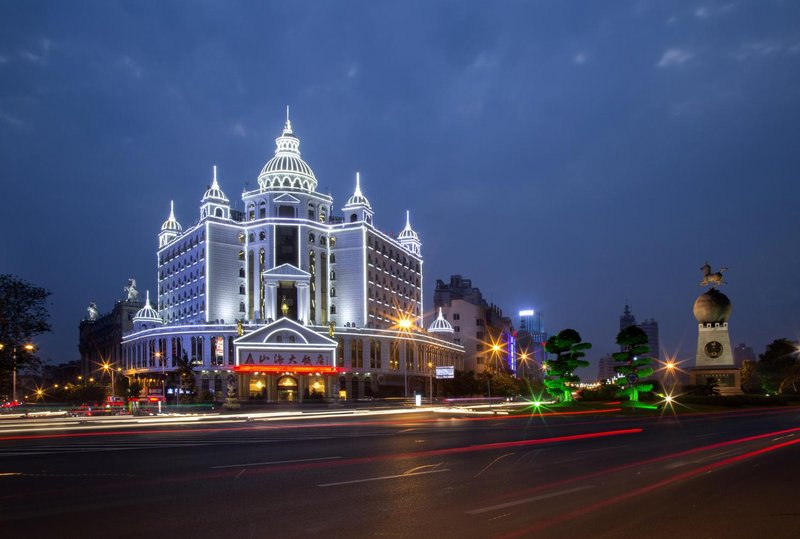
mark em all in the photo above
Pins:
pixel 568 348
pixel 634 365
pixel 751 383
pixel 135 389
pixel 185 374
pixel 778 366
pixel 23 315
pixel 502 384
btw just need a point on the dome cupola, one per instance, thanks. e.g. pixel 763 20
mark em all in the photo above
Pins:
pixel 171 228
pixel 171 224
pixel 287 170
pixel 409 239
pixel 358 207
pixel 440 325
pixel 146 317
pixel 214 192
pixel 215 203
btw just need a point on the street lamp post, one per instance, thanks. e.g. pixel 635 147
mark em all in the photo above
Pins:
pixel 109 368
pixel 29 348
pixel 430 380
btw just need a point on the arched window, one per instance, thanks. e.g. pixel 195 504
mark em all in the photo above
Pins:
pixel 241 273
pixel 251 237
pixel 311 212
pixel 241 289
pixel 230 350
pixel 323 214
pixel 218 212
pixel 311 237
pixel 353 218
pixel 333 275
pixel 241 306
pixel 251 212
pixel 333 258
pixel 262 209
pixel 262 235
pixel 356 354
pixel 333 309
pixel 333 292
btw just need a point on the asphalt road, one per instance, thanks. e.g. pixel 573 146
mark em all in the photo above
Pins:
pixel 428 475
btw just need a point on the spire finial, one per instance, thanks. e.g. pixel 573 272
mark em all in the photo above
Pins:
pixel 147 301
pixel 440 313
pixel 408 225
pixel 358 184
pixel 172 209
pixel 288 121
pixel 215 185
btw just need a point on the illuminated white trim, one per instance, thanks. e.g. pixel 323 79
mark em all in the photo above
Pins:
pixel 207 262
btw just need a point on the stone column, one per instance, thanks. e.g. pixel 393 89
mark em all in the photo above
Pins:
pixel 270 301
pixel 303 302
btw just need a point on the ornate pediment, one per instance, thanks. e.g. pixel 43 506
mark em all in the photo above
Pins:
pixel 286 198
pixel 285 346
pixel 285 334
pixel 288 272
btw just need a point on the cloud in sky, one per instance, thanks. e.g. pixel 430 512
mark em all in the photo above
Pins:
pixel 673 57
pixel 755 49
pixel 11 120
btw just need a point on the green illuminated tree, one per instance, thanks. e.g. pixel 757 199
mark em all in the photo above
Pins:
pixel 568 349
pixel 634 363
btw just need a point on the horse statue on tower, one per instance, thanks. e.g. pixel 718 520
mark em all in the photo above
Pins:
pixel 710 278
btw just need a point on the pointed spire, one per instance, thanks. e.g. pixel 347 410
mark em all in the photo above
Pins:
pixel 440 313
pixel 214 184
pixel 288 127
pixel 358 198
pixel 147 300
pixel 172 210
pixel 408 226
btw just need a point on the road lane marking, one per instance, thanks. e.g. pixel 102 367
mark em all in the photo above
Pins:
pixel 527 500
pixel 270 463
pixel 398 476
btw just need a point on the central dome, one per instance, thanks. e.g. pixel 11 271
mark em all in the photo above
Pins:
pixel 713 307
pixel 287 170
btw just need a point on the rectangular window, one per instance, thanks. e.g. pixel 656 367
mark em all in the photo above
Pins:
pixel 456 316
pixel 286 245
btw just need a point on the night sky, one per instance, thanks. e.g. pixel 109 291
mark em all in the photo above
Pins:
pixel 565 156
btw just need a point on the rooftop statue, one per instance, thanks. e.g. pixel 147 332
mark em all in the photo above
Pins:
pixel 93 312
pixel 133 294
pixel 710 278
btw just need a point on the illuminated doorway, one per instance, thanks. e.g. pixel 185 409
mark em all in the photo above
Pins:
pixel 287 389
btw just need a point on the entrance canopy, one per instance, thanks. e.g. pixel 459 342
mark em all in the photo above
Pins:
pixel 285 346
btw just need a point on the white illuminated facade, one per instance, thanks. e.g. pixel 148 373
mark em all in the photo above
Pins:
pixel 285 300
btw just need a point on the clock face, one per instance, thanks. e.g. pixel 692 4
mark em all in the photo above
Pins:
pixel 714 349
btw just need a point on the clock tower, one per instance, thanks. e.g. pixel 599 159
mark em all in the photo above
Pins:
pixel 714 358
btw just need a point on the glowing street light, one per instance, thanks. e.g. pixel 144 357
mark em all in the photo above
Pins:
pixel 430 379
pixel 108 367
pixel 28 347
